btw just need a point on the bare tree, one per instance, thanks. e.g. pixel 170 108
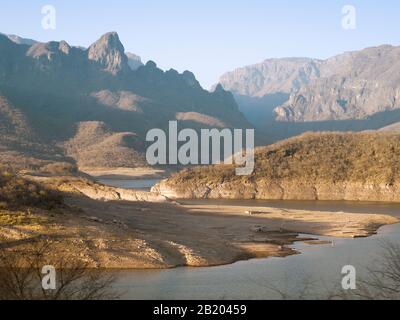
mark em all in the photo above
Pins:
pixel 381 282
pixel 21 275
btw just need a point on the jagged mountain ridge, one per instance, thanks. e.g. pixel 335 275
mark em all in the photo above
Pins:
pixel 134 60
pixel 56 87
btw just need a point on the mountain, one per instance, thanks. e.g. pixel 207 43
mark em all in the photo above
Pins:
pixel 357 89
pixel 65 96
pixel 262 87
pixel 19 40
pixel 109 53
pixel 354 85
pixel 134 61
pixel 271 76
pixel 313 166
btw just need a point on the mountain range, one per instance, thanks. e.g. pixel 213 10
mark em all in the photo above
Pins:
pixel 353 91
pixel 93 106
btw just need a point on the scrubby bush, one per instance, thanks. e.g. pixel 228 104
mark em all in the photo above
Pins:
pixel 60 168
pixel 313 158
pixel 16 191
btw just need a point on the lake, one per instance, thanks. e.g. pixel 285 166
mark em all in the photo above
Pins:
pixel 318 266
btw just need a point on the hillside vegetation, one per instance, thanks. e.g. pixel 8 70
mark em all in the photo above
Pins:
pixel 325 166
pixel 17 192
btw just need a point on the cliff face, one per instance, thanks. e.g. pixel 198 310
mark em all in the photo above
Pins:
pixel 284 190
pixel 351 86
pixel 325 166
pixel 354 85
pixel 271 76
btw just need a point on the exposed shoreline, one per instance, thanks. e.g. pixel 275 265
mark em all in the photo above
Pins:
pixel 168 235
pixel 132 231
pixel 127 173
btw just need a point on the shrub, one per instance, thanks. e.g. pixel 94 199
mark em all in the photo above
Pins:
pixel 60 168
pixel 17 192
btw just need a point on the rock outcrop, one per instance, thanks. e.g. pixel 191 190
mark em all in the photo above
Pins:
pixel 109 53
pixel 101 192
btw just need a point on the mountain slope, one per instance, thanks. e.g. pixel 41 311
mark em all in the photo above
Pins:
pixel 318 166
pixel 354 85
pixel 95 145
pixel 57 87
pixel 271 76
pixel 358 86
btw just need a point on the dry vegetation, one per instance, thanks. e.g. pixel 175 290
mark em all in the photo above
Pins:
pixel 95 145
pixel 333 157
pixel 315 158
pixel 21 275
pixel 17 192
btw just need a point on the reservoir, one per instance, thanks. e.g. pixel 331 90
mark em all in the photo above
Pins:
pixel 314 273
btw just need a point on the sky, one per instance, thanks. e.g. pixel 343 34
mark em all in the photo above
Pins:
pixel 208 37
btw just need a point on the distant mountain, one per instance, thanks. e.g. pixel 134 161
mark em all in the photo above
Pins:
pixel 262 87
pixel 354 85
pixel 19 40
pixel 134 61
pixel 272 76
pixel 58 93
pixel 360 86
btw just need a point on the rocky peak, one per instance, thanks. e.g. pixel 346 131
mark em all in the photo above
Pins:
pixel 151 65
pixel 64 47
pixel 219 88
pixel 109 53
pixel 49 50
pixel 134 61
pixel 18 40
pixel 5 41
pixel 190 79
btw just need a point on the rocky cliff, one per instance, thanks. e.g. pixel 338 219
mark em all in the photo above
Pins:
pixel 352 86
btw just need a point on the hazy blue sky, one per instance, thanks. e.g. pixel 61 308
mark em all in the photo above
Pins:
pixel 211 37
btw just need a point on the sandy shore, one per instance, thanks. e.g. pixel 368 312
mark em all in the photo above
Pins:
pixel 148 235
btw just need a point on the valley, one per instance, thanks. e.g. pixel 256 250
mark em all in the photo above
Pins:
pixel 76 125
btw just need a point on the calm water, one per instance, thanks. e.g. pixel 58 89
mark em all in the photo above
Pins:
pixel 320 265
